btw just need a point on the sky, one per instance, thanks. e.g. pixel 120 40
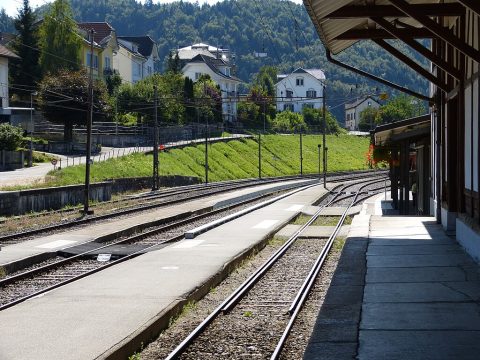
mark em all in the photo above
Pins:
pixel 11 6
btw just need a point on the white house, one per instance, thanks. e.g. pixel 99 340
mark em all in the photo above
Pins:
pixel 353 110
pixel 218 63
pixel 136 57
pixel 5 55
pixel 302 88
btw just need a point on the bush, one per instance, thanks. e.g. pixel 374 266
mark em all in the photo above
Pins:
pixel 288 121
pixel 10 137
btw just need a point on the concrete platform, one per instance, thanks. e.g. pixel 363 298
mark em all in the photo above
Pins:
pixel 413 294
pixel 109 314
pixel 18 256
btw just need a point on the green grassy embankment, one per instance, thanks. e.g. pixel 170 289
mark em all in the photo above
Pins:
pixel 235 159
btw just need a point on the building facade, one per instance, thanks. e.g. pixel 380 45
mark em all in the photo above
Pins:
pixel 5 56
pixel 105 47
pixel 218 63
pixel 354 109
pixel 300 89
pixel 136 58
pixel 446 150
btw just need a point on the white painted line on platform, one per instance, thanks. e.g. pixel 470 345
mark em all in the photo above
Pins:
pixel 265 224
pixel 209 245
pixel 294 208
pixel 169 268
pixel 56 244
pixel 188 244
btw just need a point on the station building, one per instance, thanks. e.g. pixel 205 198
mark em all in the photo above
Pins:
pixel 439 152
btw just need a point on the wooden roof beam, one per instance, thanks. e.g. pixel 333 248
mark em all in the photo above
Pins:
pixel 412 64
pixel 410 41
pixel 367 11
pixel 437 29
pixel 370 34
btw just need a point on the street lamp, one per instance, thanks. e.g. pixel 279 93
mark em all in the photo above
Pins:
pixel 30 156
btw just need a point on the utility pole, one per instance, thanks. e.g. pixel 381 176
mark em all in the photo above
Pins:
pixel 301 155
pixel 324 139
pixel 206 150
pixel 206 138
pixel 32 128
pixel 155 140
pixel 264 116
pixel 86 210
pixel 259 156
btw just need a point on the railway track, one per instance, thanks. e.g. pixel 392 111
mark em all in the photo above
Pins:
pixel 60 271
pixel 155 200
pixel 263 309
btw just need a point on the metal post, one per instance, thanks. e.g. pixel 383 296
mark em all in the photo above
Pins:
pixel 86 210
pixel 301 155
pixel 319 160
pixel 325 160
pixel 206 151
pixel 259 156
pixel 324 140
pixel 385 185
pixel 30 155
pixel 264 116
pixel 155 140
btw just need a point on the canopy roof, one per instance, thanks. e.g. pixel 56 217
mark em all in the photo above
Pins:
pixel 342 23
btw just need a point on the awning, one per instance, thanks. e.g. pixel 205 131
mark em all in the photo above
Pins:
pixel 409 129
pixel 342 23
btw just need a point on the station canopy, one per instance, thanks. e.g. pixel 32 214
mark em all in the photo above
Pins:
pixel 342 23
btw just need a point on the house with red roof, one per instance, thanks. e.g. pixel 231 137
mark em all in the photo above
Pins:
pixel 105 47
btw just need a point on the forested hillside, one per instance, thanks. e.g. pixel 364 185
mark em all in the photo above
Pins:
pixel 282 29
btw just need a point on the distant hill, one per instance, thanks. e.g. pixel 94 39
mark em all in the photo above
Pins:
pixel 280 28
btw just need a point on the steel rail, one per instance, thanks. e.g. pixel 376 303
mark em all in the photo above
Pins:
pixel 127 211
pixel 304 291
pixel 131 239
pixel 247 284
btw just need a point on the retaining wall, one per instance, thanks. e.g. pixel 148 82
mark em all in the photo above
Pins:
pixel 11 160
pixel 24 201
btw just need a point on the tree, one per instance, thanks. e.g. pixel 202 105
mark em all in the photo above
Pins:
pixel 63 99
pixel 209 99
pixel 113 82
pixel 266 79
pixel 314 120
pixel 288 121
pixel 139 98
pixel 173 63
pixel 60 41
pixel 189 100
pixel 249 115
pixel 367 119
pixel 399 108
pixel 26 70
pixel 10 137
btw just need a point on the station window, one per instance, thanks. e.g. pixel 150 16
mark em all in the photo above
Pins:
pixel 299 81
pixel 289 93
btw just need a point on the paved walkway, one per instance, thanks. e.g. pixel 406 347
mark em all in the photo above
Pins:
pixel 403 289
